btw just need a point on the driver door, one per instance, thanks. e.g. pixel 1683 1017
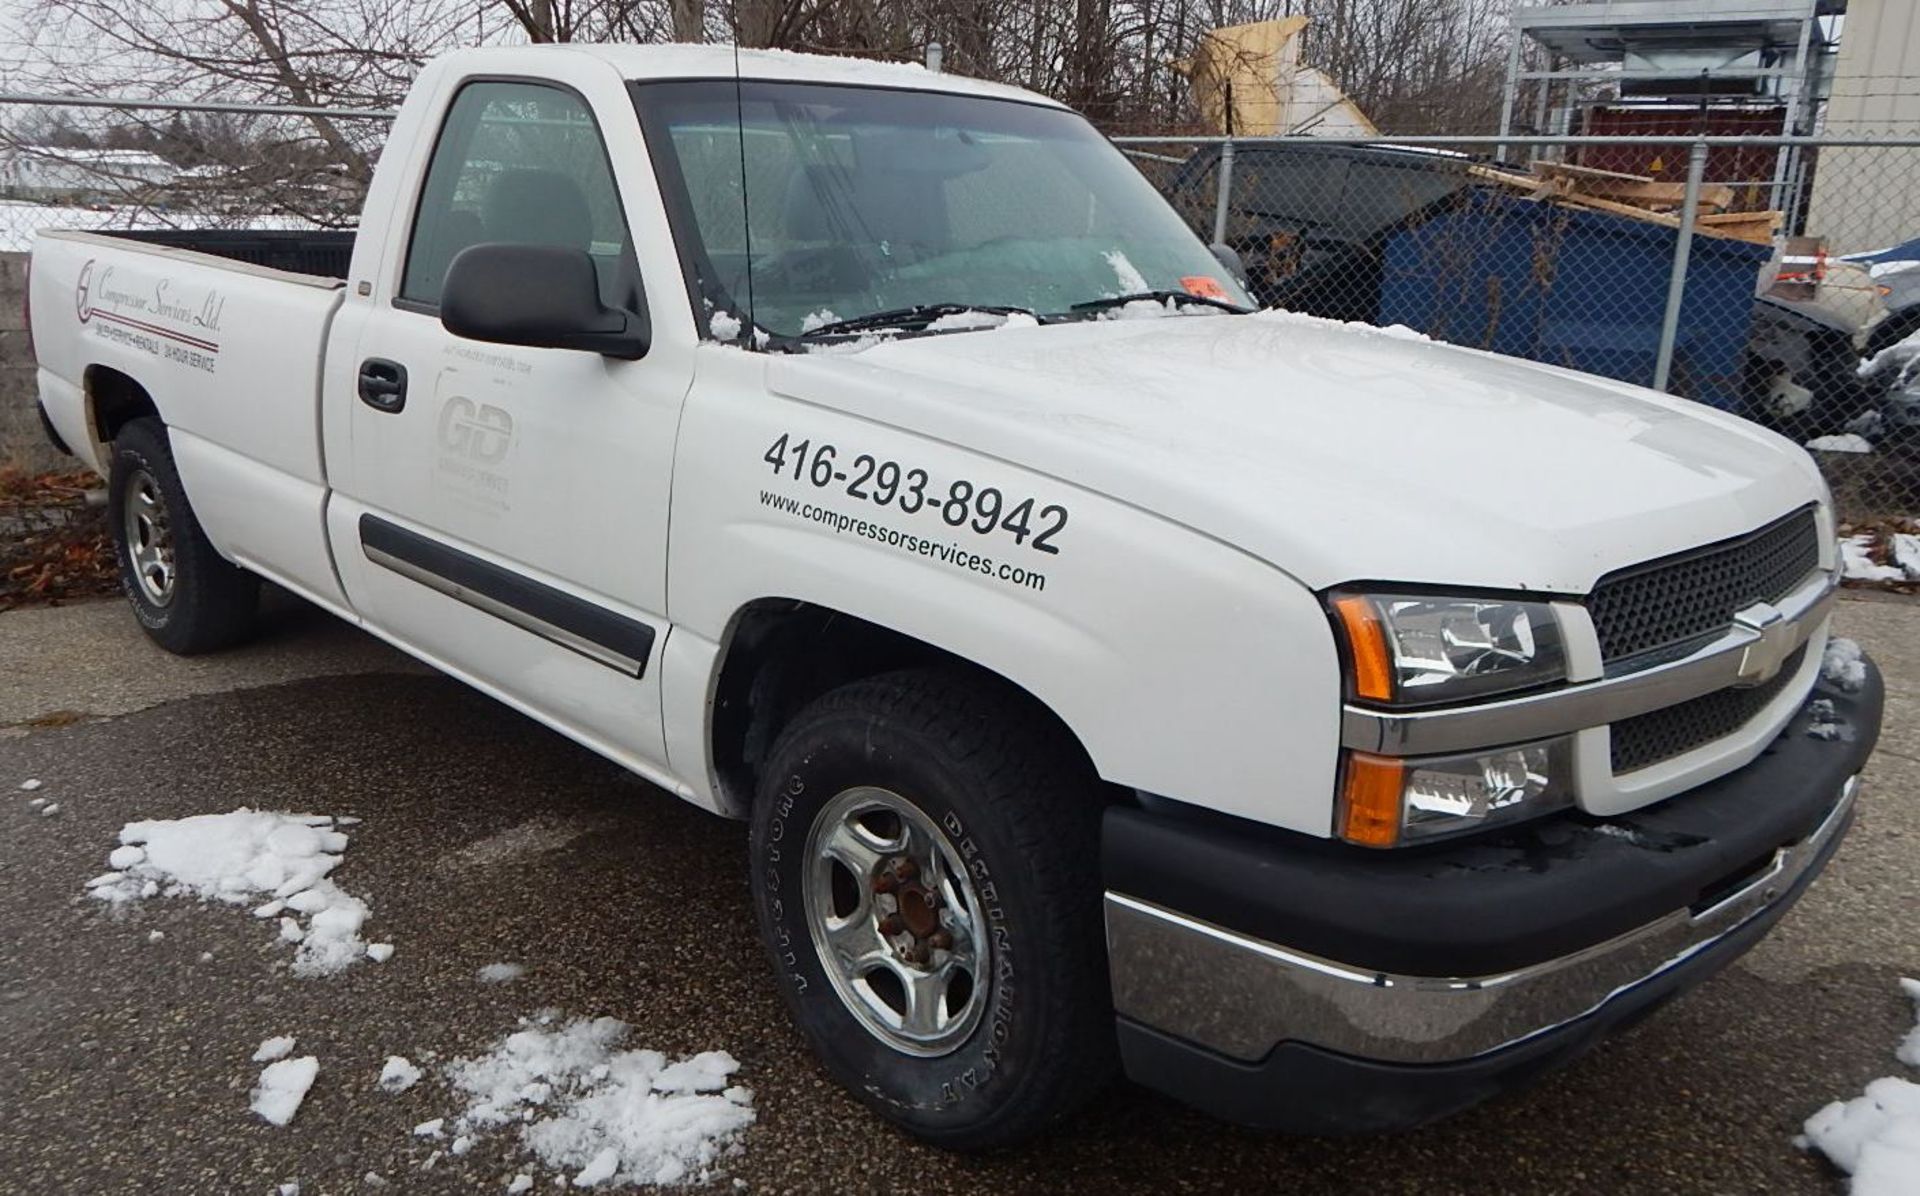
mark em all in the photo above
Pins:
pixel 501 509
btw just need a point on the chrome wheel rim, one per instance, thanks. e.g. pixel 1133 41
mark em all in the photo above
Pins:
pixel 149 534
pixel 895 922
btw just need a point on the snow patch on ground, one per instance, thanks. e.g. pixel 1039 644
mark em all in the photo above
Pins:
pixel 1859 566
pixel 1905 548
pixel 277 1047
pixel 546 832
pixel 1845 442
pixel 398 1075
pixel 1875 1137
pixel 282 1087
pixel 235 858
pixel 30 784
pixel 582 1103
pixel 500 973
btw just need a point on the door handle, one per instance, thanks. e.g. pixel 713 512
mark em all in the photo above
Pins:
pixel 383 384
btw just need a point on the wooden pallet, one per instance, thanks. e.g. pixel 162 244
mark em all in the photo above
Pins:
pixel 1635 196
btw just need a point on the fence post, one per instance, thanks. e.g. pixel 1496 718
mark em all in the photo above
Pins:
pixel 1682 254
pixel 1226 189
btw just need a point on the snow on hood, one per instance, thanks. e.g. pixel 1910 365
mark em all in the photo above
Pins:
pixel 1336 452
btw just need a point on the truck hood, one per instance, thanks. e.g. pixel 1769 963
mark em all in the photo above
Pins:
pixel 1335 452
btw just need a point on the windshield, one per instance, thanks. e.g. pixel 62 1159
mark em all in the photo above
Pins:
pixel 813 204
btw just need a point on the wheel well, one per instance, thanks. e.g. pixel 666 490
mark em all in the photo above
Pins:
pixel 115 400
pixel 782 654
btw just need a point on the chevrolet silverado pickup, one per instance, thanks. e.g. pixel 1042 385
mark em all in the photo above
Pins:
pixel 1325 726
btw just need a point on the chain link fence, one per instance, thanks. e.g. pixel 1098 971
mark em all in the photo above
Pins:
pixel 1776 278
pixel 71 162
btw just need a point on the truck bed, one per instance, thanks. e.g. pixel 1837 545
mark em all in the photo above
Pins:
pixel 298 251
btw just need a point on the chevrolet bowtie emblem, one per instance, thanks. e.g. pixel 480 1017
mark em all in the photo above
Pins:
pixel 1761 660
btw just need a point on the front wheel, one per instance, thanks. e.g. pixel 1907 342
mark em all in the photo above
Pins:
pixel 925 871
pixel 187 597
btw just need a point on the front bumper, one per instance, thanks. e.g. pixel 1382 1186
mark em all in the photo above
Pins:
pixel 1312 987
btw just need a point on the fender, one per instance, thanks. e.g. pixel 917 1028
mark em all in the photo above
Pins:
pixel 1133 631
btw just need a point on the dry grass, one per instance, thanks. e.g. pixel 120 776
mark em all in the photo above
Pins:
pixel 53 547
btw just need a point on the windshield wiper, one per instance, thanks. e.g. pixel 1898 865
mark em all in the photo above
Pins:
pixel 917 316
pixel 1160 297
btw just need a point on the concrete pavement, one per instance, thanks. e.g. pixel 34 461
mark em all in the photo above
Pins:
pixel 124 1063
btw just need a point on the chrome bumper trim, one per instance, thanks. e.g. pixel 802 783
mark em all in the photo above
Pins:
pixel 1761 637
pixel 1241 996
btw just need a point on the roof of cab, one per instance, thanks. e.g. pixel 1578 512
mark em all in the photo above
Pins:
pixel 681 60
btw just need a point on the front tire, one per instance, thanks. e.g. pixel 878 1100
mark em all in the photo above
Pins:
pixel 188 598
pixel 925 871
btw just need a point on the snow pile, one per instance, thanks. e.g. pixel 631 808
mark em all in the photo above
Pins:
pixel 283 1086
pixel 277 1047
pixel 1397 332
pixel 1845 442
pixel 859 344
pixel 238 857
pixel 1875 1137
pixel 725 325
pixel 1857 561
pixel 1824 722
pixel 30 784
pixel 1158 309
pixel 970 319
pixel 818 319
pixel 585 1105
pixel 1843 666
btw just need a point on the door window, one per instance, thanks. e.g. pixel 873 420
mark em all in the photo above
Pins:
pixel 522 163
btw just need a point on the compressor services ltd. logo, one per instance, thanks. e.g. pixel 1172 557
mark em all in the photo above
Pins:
pixel 83 293
pixel 150 317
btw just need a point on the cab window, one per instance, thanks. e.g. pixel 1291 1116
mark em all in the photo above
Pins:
pixel 521 163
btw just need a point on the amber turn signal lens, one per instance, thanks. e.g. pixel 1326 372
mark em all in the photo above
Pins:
pixel 1367 641
pixel 1370 800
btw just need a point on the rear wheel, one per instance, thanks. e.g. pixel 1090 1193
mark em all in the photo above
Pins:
pixel 925 871
pixel 187 597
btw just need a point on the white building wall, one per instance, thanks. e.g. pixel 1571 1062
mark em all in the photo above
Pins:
pixel 1870 198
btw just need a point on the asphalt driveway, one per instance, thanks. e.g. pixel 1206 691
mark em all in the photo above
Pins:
pixel 124 1057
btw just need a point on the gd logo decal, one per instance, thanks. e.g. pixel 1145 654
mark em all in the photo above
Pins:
pixel 479 432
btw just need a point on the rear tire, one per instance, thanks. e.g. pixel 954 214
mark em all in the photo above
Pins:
pixel 1000 815
pixel 188 598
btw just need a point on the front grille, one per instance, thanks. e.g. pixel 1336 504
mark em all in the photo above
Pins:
pixel 1694 594
pixel 1676 730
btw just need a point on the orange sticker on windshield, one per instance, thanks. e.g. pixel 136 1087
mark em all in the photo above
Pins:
pixel 1205 286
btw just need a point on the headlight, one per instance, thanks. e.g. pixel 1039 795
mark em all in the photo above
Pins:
pixel 1416 650
pixel 1390 802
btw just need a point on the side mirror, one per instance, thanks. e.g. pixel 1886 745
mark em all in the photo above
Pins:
pixel 1229 257
pixel 541 296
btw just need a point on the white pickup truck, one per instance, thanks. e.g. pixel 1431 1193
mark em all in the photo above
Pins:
pixel 1322 725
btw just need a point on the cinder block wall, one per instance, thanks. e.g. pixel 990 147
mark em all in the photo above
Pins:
pixel 23 445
